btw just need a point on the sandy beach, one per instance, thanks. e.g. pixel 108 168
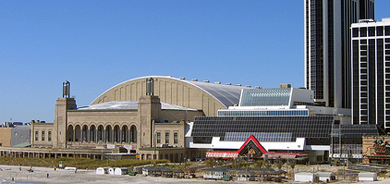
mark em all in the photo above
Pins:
pixel 61 176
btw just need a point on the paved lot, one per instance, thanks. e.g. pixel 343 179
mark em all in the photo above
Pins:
pixel 83 176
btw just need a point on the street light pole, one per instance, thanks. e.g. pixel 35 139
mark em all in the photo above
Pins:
pixel 155 143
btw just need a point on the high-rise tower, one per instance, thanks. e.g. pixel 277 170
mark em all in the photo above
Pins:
pixel 328 50
pixel 371 72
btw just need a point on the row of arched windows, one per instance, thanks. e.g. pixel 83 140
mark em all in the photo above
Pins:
pixel 107 134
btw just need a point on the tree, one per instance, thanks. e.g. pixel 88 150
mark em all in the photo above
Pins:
pixel 292 165
pixel 259 163
pixel 267 165
pixel 279 164
pixel 210 162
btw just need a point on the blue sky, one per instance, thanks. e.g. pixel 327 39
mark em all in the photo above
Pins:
pixel 98 44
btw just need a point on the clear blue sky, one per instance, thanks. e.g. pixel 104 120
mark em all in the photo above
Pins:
pixel 98 44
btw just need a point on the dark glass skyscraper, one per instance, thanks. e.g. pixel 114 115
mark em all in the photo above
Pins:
pixel 328 47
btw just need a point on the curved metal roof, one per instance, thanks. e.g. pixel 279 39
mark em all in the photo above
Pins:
pixel 129 105
pixel 227 95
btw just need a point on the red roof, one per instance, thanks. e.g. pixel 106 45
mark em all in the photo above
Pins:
pixel 234 154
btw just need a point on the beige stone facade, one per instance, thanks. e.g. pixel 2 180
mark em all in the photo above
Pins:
pixel 131 129
pixel 5 136
pixel 148 131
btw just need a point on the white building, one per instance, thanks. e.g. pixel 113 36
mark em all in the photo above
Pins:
pixel 282 120
pixel 282 102
pixel 371 72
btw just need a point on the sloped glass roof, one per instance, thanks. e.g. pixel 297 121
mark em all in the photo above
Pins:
pixel 265 97
pixel 129 105
pixel 317 127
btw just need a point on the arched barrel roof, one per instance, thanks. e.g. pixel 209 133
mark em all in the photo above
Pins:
pixel 205 96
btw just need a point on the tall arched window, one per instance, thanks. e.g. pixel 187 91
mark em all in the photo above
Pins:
pixel 117 134
pixel 69 134
pixel 133 134
pixel 100 133
pixel 92 134
pixel 108 133
pixel 125 133
pixel 77 132
pixel 84 134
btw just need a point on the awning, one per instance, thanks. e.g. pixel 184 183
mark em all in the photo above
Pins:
pixel 281 156
pixel 22 145
pixel 220 154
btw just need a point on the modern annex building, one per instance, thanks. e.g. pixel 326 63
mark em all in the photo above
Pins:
pixel 327 47
pixel 371 72
pixel 147 116
pixel 284 124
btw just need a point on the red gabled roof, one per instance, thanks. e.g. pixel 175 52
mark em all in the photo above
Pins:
pixel 224 154
pixel 252 138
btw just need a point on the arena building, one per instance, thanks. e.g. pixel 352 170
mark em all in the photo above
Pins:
pixel 147 116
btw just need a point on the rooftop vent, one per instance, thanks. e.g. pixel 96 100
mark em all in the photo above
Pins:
pixel 285 86
pixel 366 20
pixel 194 79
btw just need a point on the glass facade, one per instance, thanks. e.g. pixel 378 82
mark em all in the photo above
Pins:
pixel 265 97
pixel 328 50
pixel 352 133
pixel 317 130
pixel 260 136
pixel 266 128
pixel 223 113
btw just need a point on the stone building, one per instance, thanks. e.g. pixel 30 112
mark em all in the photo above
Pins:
pixel 5 138
pixel 147 116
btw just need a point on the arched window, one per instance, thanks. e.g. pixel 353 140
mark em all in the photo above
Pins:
pixel 108 133
pixel 117 134
pixel 133 134
pixel 100 133
pixel 84 134
pixel 77 131
pixel 125 134
pixel 69 134
pixel 92 134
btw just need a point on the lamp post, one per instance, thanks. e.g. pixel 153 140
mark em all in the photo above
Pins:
pixel 155 142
